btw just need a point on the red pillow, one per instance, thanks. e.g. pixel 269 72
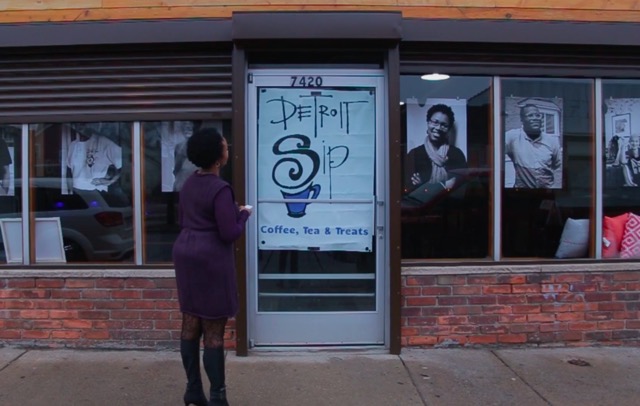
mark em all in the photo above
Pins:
pixel 612 232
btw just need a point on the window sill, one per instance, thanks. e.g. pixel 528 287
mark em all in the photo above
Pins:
pixel 88 273
pixel 457 269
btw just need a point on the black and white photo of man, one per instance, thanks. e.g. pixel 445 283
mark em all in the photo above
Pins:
pixel 94 163
pixel 176 168
pixel 622 141
pixel 183 167
pixel 5 168
pixel 533 154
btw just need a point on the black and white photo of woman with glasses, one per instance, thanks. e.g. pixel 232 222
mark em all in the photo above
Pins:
pixel 433 163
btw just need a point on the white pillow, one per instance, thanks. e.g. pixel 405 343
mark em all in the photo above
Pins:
pixel 575 239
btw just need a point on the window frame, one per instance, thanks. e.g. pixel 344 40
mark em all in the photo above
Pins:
pixel 496 182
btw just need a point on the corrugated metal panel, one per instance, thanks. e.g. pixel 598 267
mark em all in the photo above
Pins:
pixel 57 85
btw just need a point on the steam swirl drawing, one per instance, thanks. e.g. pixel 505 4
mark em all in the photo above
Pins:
pixel 294 173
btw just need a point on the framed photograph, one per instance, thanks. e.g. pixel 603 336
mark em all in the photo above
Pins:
pixel 9 135
pixel 436 134
pixel 173 135
pixel 529 123
pixel 92 154
pixel 417 125
pixel 621 143
pixel 621 125
pixel 49 243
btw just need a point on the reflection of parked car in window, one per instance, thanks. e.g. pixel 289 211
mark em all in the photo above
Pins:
pixel 92 230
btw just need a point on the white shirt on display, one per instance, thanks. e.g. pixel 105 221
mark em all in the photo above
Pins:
pixel 90 159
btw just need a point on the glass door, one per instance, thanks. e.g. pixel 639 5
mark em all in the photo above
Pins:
pixel 316 172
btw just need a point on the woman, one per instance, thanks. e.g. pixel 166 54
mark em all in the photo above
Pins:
pixel 432 161
pixel 210 222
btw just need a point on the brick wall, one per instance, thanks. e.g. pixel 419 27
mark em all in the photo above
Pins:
pixel 92 313
pixel 575 308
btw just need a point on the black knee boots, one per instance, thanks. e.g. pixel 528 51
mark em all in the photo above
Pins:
pixel 213 360
pixel 190 352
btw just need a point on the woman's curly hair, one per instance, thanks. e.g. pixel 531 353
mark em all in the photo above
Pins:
pixel 204 147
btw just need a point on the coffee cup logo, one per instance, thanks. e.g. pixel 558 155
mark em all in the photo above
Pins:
pixel 299 209
pixel 295 172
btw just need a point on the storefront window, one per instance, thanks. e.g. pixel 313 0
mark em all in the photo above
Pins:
pixel 81 176
pixel 547 192
pixel 446 167
pixel 166 168
pixel 10 190
pixel 621 176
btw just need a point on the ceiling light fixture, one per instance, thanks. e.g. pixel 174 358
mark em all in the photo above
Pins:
pixel 434 76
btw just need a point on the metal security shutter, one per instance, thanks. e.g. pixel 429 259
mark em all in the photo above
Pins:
pixel 518 59
pixel 151 82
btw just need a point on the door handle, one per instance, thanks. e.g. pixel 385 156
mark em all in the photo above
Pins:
pixel 379 228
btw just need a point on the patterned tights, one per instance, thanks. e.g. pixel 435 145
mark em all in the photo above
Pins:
pixel 193 327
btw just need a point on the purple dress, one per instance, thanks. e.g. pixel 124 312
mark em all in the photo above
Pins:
pixel 203 252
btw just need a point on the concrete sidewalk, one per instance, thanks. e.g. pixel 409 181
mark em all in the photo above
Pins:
pixel 559 376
